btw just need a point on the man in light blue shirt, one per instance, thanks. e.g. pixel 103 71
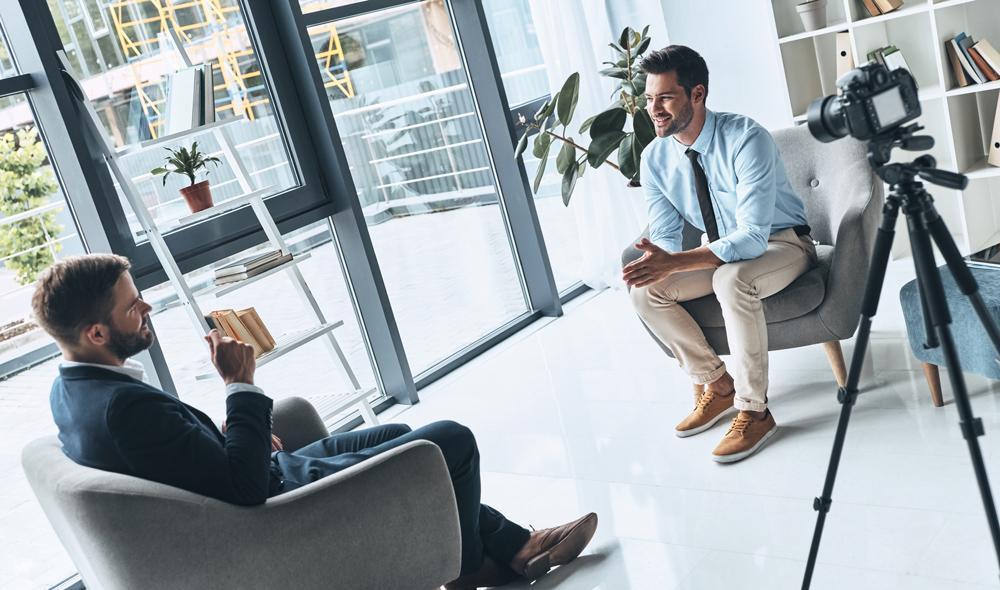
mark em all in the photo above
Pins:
pixel 720 173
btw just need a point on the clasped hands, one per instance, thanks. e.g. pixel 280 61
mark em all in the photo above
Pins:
pixel 655 265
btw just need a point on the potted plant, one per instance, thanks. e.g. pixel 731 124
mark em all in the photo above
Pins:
pixel 813 14
pixel 624 128
pixel 187 162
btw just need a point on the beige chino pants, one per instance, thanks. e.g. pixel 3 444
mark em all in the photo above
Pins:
pixel 739 287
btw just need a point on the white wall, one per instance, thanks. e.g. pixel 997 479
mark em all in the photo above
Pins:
pixel 737 40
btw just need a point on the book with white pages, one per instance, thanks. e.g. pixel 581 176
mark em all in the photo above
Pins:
pixel 964 43
pixel 208 104
pixel 894 59
pixel 989 54
pixel 248 263
pixel 184 97
pixel 257 270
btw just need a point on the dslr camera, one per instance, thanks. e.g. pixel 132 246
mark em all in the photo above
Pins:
pixel 873 101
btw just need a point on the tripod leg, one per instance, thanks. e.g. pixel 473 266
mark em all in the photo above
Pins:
pixel 963 276
pixel 972 427
pixel 847 394
pixel 930 334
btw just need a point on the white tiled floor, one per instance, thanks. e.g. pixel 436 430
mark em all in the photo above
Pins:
pixel 577 415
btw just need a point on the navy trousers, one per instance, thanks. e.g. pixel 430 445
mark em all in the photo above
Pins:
pixel 484 530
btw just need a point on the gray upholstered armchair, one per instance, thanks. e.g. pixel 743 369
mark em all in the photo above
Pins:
pixel 390 522
pixel 843 200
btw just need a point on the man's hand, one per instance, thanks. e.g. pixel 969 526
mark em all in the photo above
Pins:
pixel 655 265
pixel 233 360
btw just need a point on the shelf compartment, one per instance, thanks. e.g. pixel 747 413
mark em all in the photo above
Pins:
pixel 810 69
pixel 910 32
pixel 285 345
pixel 788 23
pixel 981 201
pixel 972 126
pixel 976 18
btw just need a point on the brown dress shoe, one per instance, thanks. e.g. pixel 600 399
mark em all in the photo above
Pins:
pixel 490 574
pixel 552 547
pixel 746 436
pixel 709 408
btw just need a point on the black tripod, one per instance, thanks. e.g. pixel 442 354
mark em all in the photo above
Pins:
pixel 924 223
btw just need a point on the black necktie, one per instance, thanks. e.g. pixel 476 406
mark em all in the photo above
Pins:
pixel 704 198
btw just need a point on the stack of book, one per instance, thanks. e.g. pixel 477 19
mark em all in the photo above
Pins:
pixel 243 325
pixel 190 99
pixel 890 56
pixel 877 7
pixel 971 62
pixel 250 266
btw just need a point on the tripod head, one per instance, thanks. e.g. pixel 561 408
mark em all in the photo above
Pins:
pixel 880 152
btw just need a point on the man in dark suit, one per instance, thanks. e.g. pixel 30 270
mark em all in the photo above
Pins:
pixel 109 418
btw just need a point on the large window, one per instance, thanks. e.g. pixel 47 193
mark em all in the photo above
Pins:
pixel 398 89
pixel 36 228
pixel 133 58
pixel 522 68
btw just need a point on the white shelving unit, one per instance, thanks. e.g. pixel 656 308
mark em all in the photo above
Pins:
pixel 959 119
pixel 323 329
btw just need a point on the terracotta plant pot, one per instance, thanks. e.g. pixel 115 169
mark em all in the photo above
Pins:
pixel 198 196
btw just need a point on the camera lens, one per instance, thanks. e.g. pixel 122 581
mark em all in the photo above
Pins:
pixel 826 119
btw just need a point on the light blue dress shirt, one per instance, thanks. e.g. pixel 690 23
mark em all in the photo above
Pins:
pixel 750 192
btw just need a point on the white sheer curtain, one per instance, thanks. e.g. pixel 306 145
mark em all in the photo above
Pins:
pixel 574 37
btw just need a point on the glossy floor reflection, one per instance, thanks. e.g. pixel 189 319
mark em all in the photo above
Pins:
pixel 577 415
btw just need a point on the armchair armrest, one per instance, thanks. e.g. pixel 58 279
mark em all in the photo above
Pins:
pixel 389 522
pixel 297 423
pixel 852 252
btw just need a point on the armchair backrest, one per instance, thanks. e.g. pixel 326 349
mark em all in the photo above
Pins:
pixel 831 179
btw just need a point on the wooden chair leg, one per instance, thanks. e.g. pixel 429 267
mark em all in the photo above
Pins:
pixel 835 354
pixel 933 377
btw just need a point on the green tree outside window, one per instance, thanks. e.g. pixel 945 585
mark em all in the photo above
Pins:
pixel 26 184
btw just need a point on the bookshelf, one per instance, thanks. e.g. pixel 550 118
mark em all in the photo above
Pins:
pixel 959 119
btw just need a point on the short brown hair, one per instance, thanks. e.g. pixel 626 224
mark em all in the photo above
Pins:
pixel 77 292
pixel 690 66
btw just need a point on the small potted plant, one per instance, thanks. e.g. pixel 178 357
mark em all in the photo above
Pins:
pixel 188 162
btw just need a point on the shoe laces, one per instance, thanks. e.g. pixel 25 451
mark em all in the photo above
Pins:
pixel 740 424
pixel 705 399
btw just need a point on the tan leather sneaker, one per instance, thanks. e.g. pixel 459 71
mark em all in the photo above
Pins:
pixel 709 408
pixel 745 437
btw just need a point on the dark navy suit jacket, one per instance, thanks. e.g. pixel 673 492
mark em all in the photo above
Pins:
pixel 113 422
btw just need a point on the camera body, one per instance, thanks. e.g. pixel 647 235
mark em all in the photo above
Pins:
pixel 873 100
